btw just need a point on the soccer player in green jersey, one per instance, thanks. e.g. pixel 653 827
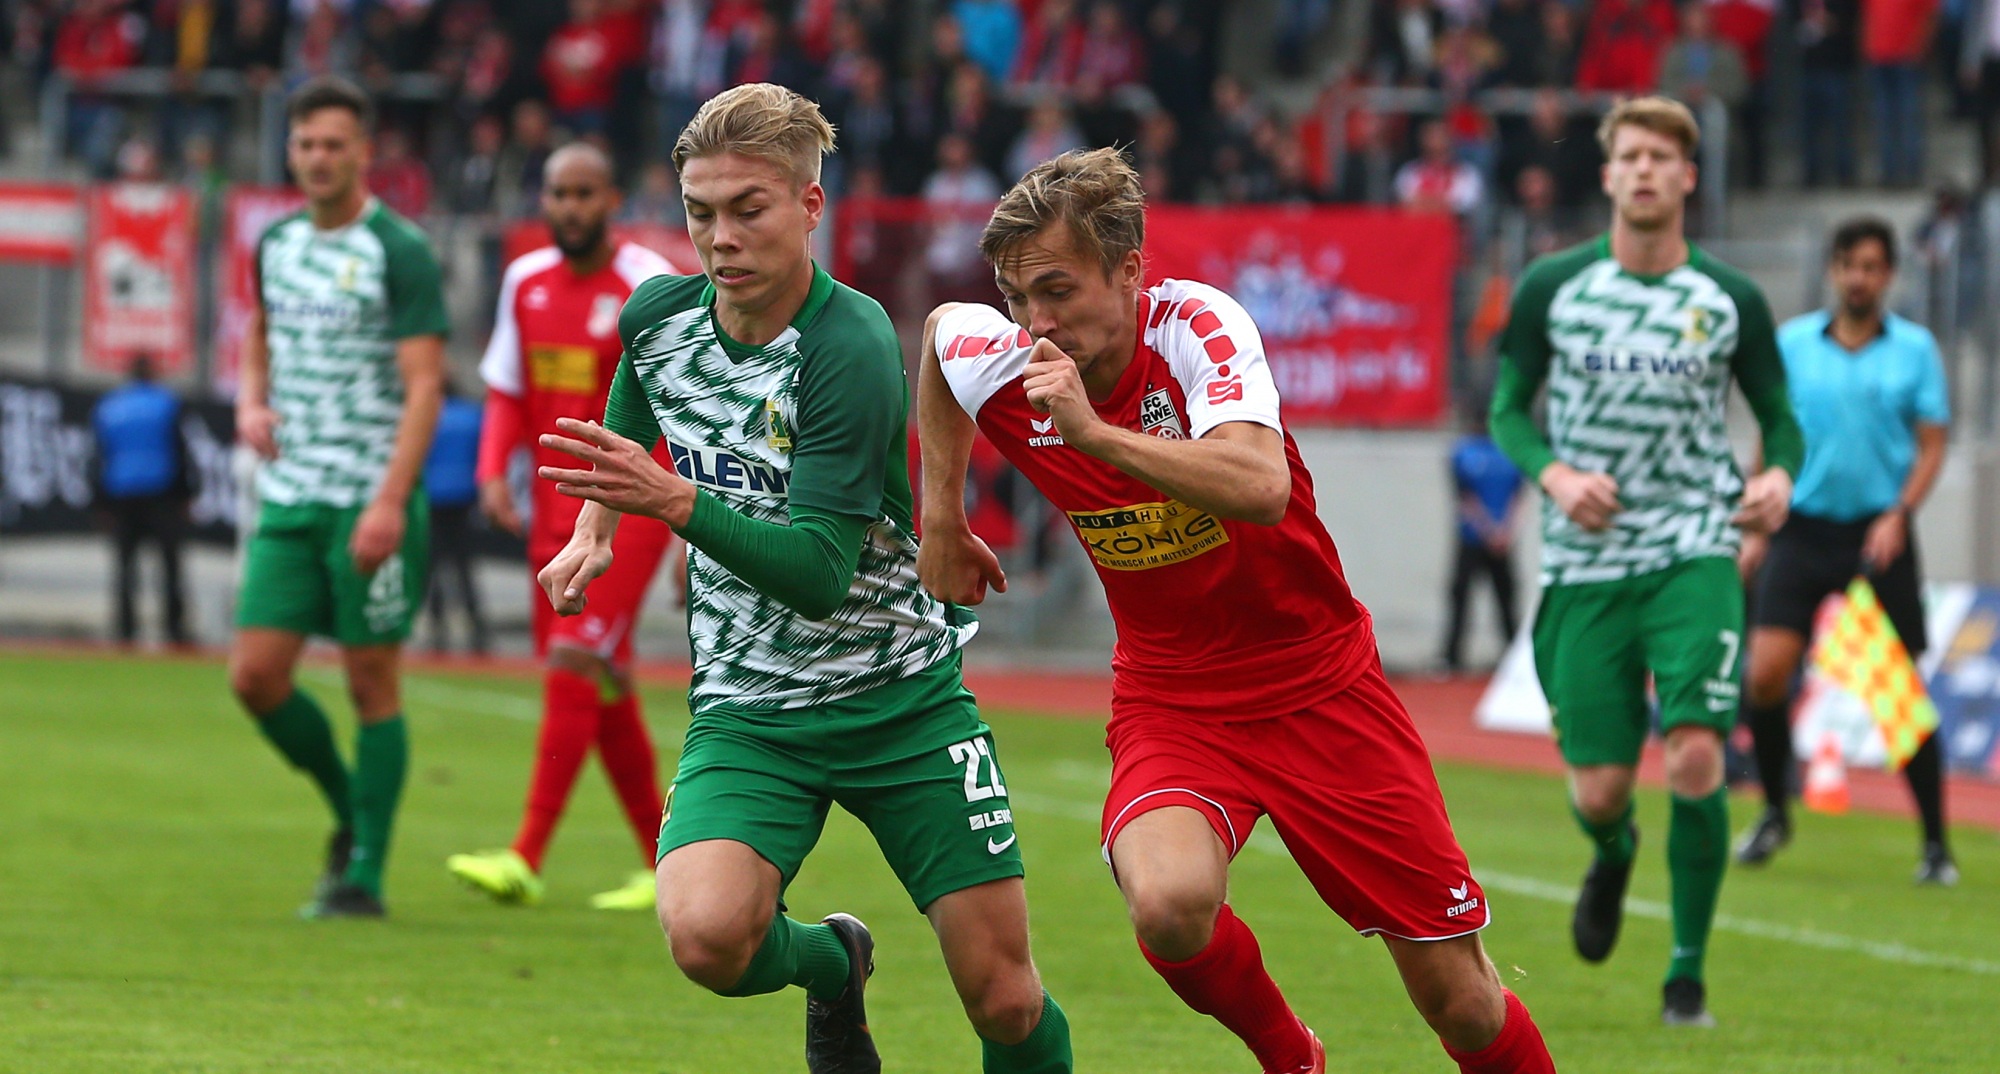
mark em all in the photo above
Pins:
pixel 342 378
pixel 824 673
pixel 1638 335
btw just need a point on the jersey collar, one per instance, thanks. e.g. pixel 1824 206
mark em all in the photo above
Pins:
pixel 816 298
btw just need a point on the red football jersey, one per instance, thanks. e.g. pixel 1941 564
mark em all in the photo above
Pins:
pixel 1228 619
pixel 555 347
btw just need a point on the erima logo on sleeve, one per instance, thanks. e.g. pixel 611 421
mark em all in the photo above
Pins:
pixel 1042 432
pixel 717 469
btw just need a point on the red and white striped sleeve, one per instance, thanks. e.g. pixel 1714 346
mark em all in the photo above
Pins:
pixel 1215 351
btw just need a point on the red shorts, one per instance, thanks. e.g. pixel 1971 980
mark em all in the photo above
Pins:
pixel 1348 785
pixel 611 614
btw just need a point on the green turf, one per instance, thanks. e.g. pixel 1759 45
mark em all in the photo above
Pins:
pixel 153 850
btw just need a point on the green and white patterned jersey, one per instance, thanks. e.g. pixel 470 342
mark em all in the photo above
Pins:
pixel 1638 372
pixel 335 303
pixel 734 418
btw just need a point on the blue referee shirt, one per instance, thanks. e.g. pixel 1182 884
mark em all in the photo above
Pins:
pixel 1860 411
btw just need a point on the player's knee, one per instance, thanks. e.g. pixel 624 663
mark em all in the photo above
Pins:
pixel 1467 1014
pixel 259 687
pixel 713 956
pixel 1173 921
pixel 1006 1011
pixel 1765 687
pixel 1694 764
pixel 1601 803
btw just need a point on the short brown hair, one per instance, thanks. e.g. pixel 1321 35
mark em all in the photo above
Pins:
pixel 330 91
pixel 758 119
pixel 1860 229
pixel 1093 191
pixel 1661 115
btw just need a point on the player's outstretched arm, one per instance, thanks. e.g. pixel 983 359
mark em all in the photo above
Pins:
pixel 1236 470
pixel 954 564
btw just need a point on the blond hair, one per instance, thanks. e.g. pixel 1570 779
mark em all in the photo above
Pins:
pixel 1094 192
pixel 758 119
pixel 1661 115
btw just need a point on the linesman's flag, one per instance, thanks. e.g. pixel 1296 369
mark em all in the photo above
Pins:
pixel 1862 655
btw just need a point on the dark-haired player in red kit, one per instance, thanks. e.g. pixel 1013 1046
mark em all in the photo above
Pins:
pixel 554 348
pixel 1246 681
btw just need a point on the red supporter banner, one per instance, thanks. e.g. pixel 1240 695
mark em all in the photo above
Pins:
pixel 669 242
pixel 40 222
pixel 247 213
pixel 138 284
pixel 1354 304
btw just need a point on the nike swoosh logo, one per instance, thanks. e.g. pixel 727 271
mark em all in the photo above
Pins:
pixel 995 848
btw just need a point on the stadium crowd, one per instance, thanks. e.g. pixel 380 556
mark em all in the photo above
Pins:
pixel 922 91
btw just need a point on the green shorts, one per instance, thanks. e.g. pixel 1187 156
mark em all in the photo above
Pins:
pixel 911 760
pixel 1594 644
pixel 299 576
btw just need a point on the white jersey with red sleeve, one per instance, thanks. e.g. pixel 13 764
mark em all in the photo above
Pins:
pixel 1231 620
pixel 552 354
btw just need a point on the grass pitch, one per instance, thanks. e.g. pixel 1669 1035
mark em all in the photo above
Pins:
pixel 153 851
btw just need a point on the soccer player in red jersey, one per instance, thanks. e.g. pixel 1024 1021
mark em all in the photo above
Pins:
pixel 554 348
pixel 1246 681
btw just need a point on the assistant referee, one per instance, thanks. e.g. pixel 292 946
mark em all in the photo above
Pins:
pixel 1869 390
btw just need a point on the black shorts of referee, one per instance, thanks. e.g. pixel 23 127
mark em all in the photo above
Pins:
pixel 1813 558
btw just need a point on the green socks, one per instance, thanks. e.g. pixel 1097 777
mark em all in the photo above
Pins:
pixel 381 756
pixel 810 956
pixel 1614 840
pixel 300 731
pixel 1697 853
pixel 1045 1051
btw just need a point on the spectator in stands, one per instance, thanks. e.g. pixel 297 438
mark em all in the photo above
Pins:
pixel 322 46
pixel 449 482
pixel 1293 32
pixel 1113 58
pixel 992 30
pixel 1051 48
pixel 1177 63
pixel 1158 158
pixel 250 38
pixel 1402 40
pixel 686 67
pixel 1516 27
pixel 1558 144
pixel 143 488
pixel 138 161
pixel 1546 226
pixel 580 66
pixel 1487 488
pixel 518 184
pixel 865 116
pixel 1050 133
pixel 1437 181
pixel 475 185
pixel 1699 66
pixel 95 40
pixel 1623 46
pixel 1747 25
pixel 764 52
pixel 399 177
pixel 1562 45
pixel 958 198
pixel 1979 76
pixel 975 114
pixel 658 198
pixel 1895 39
pixel 1829 47
pixel 1368 167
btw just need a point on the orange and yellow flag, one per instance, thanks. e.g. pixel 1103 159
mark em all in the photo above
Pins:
pixel 1862 655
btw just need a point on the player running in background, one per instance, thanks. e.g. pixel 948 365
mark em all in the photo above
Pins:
pixel 553 353
pixel 823 672
pixel 342 379
pixel 1637 335
pixel 1246 682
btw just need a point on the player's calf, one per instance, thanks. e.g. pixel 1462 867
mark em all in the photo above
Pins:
pixel 1454 988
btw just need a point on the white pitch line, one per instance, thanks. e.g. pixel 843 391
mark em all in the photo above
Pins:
pixel 1531 888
